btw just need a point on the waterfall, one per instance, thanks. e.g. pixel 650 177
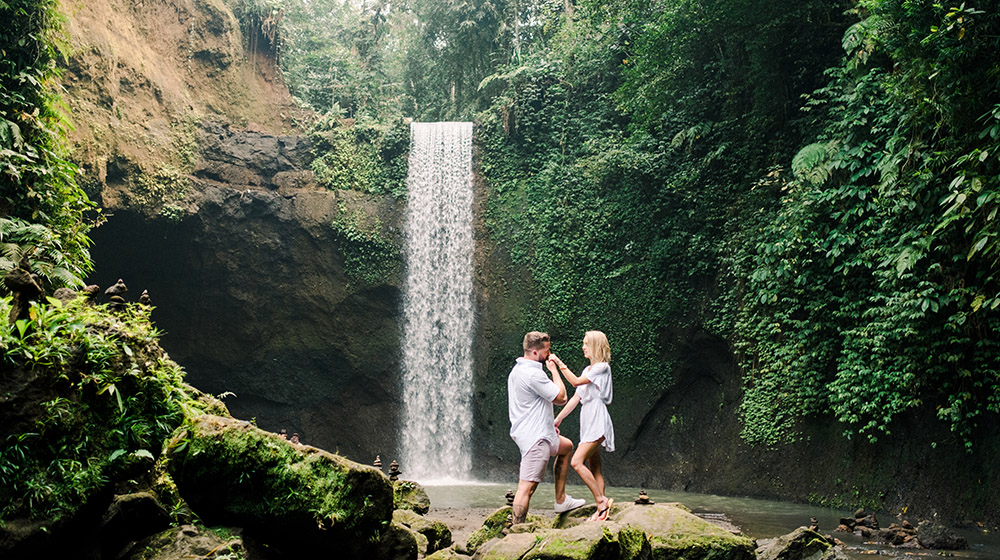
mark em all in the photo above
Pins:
pixel 437 304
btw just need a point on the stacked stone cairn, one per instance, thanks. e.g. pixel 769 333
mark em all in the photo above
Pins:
pixel 903 535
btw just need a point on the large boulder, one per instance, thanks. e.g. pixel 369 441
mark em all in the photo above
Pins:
pixel 410 495
pixel 801 544
pixel 292 497
pixel 496 524
pixel 433 534
pixel 186 541
pixel 666 532
pixel 604 541
pixel 131 517
pixel 937 536
pixel 676 533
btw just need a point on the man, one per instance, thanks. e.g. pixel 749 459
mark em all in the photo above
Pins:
pixel 530 396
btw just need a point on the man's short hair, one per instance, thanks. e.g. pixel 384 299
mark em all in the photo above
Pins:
pixel 535 340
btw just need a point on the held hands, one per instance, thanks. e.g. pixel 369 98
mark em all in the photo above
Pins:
pixel 553 363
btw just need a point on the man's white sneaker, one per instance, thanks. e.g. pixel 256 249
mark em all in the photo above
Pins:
pixel 569 503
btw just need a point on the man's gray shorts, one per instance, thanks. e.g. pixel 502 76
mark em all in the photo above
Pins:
pixel 533 462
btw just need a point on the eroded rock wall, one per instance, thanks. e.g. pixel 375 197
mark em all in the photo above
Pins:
pixel 249 283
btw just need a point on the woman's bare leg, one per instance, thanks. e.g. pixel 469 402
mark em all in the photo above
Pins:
pixel 595 468
pixel 585 451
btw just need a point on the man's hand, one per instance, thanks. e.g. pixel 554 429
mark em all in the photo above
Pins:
pixel 553 364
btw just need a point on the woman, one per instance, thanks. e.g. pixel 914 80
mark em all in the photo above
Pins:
pixel 593 390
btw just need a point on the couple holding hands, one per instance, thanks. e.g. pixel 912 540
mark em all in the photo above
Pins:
pixel 530 396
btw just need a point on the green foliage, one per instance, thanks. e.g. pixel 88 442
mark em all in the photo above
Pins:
pixel 369 258
pixel 363 155
pixel 241 472
pixel 873 289
pixel 42 249
pixel 37 184
pixel 94 397
pixel 617 178
pixel 159 189
pixel 261 24
pixel 423 59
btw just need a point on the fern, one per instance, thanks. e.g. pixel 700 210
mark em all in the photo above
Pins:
pixel 812 163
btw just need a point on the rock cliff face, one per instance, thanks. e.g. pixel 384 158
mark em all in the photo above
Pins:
pixel 250 286
pixel 187 143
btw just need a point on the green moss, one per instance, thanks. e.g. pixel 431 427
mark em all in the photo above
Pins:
pixel 92 397
pixel 369 257
pixel 432 535
pixel 362 155
pixel 492 528
pixel 410 496
pixel 232 470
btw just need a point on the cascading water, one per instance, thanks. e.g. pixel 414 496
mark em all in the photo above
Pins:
pixel 437 306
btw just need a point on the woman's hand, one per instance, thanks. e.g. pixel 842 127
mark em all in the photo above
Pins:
pixel 551 364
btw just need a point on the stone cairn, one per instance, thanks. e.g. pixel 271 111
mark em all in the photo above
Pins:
pixel 26 286
pixel 643 499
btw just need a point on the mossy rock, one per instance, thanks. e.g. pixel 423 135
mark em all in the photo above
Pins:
pixel 187 541
pixel 801 544
pixel 447 554
pixel 398 542
pixel 494 524
pixel 435 534
pixel 676 534
pixel 407 494
pixel 290 496
pixel 587 541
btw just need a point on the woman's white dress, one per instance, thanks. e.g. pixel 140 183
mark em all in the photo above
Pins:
pixel 594 399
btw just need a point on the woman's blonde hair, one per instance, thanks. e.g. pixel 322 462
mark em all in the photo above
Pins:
pixel 600 350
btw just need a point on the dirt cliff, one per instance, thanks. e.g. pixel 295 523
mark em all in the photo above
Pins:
pixel 189 142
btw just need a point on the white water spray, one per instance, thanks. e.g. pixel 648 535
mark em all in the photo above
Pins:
pixel 438 305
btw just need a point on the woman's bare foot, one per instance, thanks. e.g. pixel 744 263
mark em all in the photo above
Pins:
pixel 603 505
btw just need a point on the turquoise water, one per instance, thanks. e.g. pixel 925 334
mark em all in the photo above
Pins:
pixel 758 519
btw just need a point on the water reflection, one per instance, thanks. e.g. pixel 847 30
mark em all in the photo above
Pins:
pixel 758 519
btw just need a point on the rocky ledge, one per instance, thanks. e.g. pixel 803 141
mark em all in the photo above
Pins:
pixel 637 531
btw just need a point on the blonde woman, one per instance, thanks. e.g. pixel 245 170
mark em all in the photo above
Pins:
pixel 593 390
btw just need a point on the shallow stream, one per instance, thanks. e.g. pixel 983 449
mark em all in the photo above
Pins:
pixel 758 519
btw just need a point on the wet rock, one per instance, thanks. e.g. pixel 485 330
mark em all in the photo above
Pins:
pixel 250 157
pixel 132 517
pixel 396 543
pixel 435 534
pixel 800 544
pixel 897 535
pixel 25 288
pixel 294 498
pixel 186 541
pixel 410 495
pixel 511 546
pixel 934 535
pixel 496 526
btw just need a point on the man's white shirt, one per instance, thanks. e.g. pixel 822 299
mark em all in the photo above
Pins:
pixel 530 393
